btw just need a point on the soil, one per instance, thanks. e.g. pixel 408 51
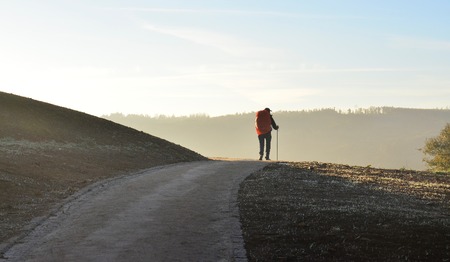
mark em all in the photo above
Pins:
pixel 311 211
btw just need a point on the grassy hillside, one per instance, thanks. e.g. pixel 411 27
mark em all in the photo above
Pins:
pixel 49 152
pixel 380 137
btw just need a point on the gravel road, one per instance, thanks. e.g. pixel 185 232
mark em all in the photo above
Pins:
pixel 181 212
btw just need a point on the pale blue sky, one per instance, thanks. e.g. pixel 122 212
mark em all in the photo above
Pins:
pixel 224 57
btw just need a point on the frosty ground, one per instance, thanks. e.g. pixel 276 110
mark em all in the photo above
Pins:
pixel 311 211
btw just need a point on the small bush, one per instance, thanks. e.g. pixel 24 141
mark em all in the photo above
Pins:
pixel 437 151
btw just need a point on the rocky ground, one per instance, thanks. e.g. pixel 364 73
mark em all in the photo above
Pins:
pixel 327 212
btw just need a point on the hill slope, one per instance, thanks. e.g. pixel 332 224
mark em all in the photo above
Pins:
pixel 49 152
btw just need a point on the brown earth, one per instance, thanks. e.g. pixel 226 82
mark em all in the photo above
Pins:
pixel 47 153
pixel 327 212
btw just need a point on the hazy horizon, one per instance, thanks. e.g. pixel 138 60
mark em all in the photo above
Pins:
pixel 179 58
pixel 380 137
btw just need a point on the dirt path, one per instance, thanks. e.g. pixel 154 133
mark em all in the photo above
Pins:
pixel 180 212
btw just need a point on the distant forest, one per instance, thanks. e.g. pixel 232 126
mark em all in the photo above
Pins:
pixel 382 137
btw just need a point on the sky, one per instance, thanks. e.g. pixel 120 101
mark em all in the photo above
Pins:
pixel 220 57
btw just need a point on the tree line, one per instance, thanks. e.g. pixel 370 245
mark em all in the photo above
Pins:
pixel 385 137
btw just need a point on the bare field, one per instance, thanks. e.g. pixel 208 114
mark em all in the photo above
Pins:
pixel 313 211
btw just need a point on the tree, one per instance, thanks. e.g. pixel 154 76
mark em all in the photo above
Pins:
pixel 438 149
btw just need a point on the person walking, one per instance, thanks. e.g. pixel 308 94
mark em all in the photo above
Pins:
pixel 264 123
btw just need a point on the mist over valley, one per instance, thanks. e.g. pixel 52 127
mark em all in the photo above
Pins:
pixel 384 137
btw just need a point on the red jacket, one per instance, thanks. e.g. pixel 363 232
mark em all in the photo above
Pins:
pixel 263 122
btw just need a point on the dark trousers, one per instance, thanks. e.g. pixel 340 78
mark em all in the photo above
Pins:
pixel 267 138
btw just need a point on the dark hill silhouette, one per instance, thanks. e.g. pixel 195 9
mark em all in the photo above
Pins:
pixel 382 137
pixel 48 152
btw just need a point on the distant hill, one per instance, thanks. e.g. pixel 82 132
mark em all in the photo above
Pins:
pixel 383 137
pixel 48 152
